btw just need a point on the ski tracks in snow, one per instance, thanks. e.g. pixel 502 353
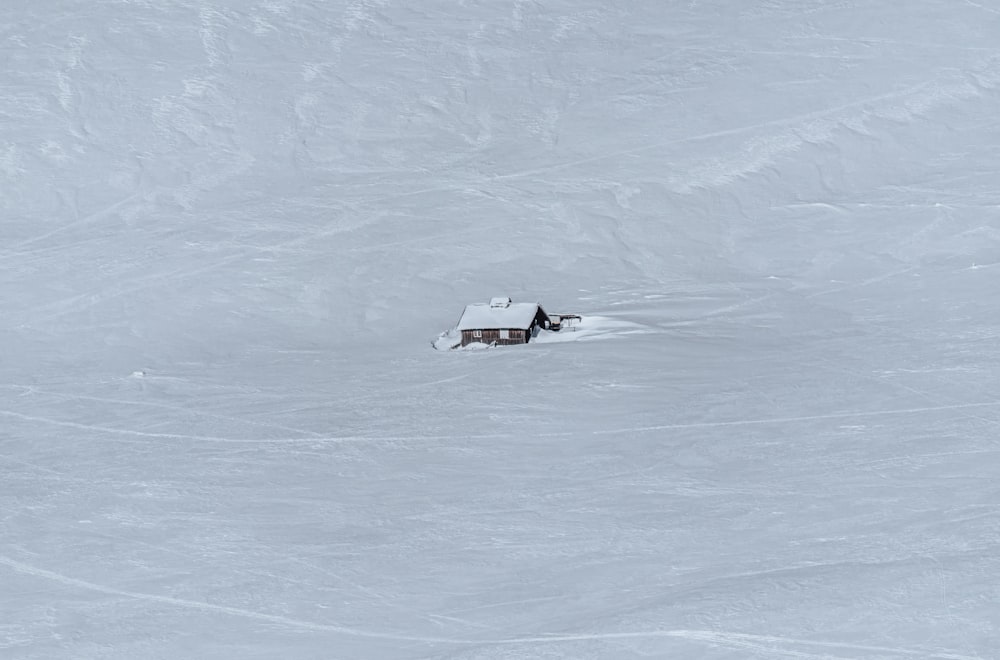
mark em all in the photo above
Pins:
pixel 325 439
pixel 771 139
pixel 770 644
pixel 800 418
pixel 28 569
pixel 315 439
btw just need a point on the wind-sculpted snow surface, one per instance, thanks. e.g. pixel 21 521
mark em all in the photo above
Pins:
pixel 231 231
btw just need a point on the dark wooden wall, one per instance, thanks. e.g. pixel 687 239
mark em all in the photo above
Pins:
pixel 493 337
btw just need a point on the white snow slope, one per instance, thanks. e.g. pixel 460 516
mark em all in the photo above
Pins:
pixel 231 229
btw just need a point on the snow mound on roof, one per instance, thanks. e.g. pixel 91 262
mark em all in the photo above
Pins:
pixel 482 316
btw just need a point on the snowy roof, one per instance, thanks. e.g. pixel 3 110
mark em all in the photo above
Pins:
pixel 483 316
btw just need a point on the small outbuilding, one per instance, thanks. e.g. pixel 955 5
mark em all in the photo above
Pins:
pixel 501 322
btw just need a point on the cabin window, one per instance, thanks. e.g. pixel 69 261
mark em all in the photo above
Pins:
pixel 477 334
pixel 505 334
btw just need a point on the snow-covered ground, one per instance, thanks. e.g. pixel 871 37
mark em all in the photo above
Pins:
pixel 230 231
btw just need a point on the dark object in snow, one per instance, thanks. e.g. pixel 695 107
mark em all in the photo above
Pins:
pixel 556 321
pixel 505 323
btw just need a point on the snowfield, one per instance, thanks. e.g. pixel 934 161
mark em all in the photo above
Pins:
pixel 232 230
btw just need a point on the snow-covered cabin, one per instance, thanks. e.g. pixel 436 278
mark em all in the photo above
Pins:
pixel 501 322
